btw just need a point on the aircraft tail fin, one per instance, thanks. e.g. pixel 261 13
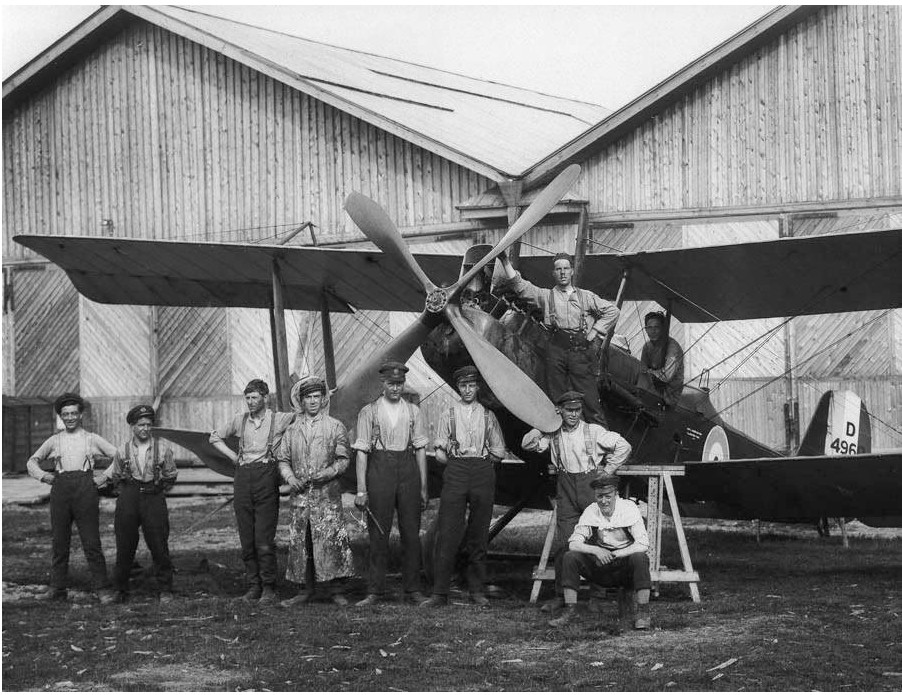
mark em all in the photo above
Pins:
pixel 840 426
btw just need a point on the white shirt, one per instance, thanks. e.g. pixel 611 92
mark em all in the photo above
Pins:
pixel 624 527
pixel 574 458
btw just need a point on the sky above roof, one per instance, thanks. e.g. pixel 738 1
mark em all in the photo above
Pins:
pixel 603 54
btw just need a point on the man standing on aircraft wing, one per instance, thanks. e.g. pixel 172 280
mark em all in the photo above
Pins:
pixel 608 547
pixel 580 451
pixel 469 442
pixel 391 474
pixel 662 359
pixel 578 320
pixel 259 432
pixel 142 474
pixel 313 455
pixel 73 496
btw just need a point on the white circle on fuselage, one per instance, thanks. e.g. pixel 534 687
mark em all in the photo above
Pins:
pixel 717 446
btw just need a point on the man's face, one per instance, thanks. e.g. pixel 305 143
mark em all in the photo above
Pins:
pixel 571 415
pixel 255 402
pixel 606 498
pixel 141 428
pixel 71 417
pixel 563 272
pixel 392 389
pixel 468 391
pixel 312 402
pixel 655 329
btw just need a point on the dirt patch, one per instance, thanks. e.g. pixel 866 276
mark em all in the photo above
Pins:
pixel 180 677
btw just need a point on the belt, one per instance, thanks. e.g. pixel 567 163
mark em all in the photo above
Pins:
pixel 143 487
pixel 58 473
pixel 569 340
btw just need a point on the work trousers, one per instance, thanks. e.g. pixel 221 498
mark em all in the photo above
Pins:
pixel 146 511
pixel 73 497
pixel 257 513
pixel 393 482
pixel 630 572
pixel 574 494
pixel 568 369
pixel 466 482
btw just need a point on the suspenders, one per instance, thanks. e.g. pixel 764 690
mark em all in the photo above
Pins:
pixel 88 465
pixel 454 445
pixel 589 444
pixel 126 469
pixel 269 437
pixel 552 315
pixel 376 430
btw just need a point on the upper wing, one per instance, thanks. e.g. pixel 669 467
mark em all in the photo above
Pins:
pixel 802 487
pixel 783 277
pixel 182 273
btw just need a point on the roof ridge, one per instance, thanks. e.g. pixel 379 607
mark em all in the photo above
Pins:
pixel 384 57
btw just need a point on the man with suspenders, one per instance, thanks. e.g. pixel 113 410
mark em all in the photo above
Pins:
pixel 73 496
pixel 469 442
pixel 391 474
pixel 577 321
pixel 580 451
pixel 259 432
pixel 142 477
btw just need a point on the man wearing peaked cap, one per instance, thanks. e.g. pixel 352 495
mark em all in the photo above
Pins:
pixel 469 442
pixel 391 476
pixel 579 451
pixel 73 495
pixel 142 473
pixel 259 431
pixel 608 547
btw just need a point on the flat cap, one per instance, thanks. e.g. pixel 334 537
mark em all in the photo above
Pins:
pixel 312 385
pixel 257 385
pixel 465 374
pixel 605 480
pixel 393 370
pixel 570 397
pixel 138 412
pixel 68 398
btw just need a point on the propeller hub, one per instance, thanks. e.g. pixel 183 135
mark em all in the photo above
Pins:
pixel 436 300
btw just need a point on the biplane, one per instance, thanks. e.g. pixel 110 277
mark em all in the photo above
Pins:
pixel 729 474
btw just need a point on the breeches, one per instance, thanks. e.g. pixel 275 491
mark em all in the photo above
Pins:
pixel 573 370
pixel 73 498
pixel 148 512
pixel 631 571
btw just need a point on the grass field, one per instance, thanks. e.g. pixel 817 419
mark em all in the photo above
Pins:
pixel 794 612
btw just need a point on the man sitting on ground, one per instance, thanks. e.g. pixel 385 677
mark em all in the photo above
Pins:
pixel 608 547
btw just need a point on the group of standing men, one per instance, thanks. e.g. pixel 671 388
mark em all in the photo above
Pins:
pixel 599 536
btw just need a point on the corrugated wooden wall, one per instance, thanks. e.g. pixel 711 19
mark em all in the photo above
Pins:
pixel 812 116
pixel 126 369
pixel 166 139
pixel 47 332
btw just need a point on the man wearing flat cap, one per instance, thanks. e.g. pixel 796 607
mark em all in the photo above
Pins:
pixel 313 455
pixel 391 475
pixel 609 547
pixel 259 432
pixel 142 472
pixel 579 451
pixel 469 443
pixel 577 321
pixel 73 495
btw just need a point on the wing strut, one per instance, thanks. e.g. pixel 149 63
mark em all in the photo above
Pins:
pixel 328 348
pixel 279 338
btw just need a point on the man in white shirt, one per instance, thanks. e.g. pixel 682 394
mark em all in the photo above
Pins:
pixel 391 475
pixel 468 442
pixel 609 548
pixel 579 452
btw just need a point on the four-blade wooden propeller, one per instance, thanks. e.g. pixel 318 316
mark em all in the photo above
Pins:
pixel 519 393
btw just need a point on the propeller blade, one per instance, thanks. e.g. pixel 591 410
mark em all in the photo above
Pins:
pixel 364 384
pixel 540 207
pixel 519 394
pixel 378 228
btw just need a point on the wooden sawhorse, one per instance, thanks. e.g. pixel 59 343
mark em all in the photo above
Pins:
pixel 659 482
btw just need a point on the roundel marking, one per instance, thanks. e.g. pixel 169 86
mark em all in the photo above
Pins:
pixel 717 446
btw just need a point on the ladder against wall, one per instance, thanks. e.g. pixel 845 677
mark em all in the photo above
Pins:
pixel 660 482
